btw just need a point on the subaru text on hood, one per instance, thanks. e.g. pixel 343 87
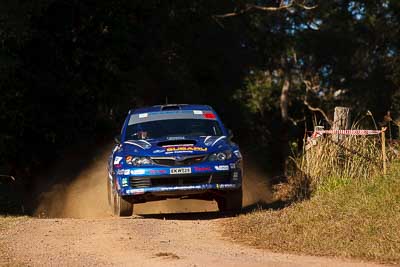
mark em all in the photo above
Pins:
pixel 174 151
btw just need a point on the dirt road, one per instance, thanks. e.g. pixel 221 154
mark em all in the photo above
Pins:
pixel 150 240
pixel 82 232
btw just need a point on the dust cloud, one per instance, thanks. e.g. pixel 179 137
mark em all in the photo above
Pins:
pixel 84 194
pixel 256 188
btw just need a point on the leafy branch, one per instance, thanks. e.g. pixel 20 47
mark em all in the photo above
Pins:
pixel 284 5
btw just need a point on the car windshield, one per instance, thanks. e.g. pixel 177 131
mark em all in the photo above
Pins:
pixel 173 127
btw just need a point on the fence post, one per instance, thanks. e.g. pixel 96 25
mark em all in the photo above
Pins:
pixel 341 121
pixel 384 150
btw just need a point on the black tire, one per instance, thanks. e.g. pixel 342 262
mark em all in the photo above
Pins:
pixel 231 201
pixel 121 207
pixel 109 193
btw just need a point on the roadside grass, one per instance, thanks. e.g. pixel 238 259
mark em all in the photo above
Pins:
pixel 8 221
pixel 357 218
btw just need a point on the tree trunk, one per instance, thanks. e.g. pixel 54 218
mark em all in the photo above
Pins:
pixel 284 100
pixel 284 135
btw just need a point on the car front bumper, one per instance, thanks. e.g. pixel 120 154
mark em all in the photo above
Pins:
pixel 163 181
pixel 180 190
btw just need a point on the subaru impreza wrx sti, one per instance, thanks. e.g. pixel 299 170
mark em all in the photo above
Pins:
pixel 174 151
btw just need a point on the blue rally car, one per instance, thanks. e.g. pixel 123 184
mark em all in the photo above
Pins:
pixel 174 151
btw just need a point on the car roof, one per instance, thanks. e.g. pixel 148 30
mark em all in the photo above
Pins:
pixel 170 107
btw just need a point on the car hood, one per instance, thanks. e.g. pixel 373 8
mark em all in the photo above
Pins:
pixel 176 145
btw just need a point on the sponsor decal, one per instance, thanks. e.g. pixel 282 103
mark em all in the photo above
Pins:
pixel 174 152
pixel 186 148
pixel 187 187
pixel 176 138
pixel 117 160
pixel 182 188
pixel 143 115
pixel 120 172
pixel 117 166
pixel 178 145
pixel 138 191
pixel 127 172
pixel 128 158
pixel 197 112
pixel 138 172
pixel 226 186
pixel 124 182
pixel 222 168
pixel 157 171
pixel 202 169
pixel 180 170
pixel 159 151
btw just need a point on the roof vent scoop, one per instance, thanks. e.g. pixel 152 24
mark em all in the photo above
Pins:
pixel 170 107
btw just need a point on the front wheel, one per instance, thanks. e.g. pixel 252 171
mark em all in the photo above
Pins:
pixel 109 193
pixel 231 201
pixel 121 207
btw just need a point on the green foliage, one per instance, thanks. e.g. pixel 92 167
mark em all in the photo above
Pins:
pixel 260 94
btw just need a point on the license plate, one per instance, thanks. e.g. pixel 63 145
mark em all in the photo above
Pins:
pixel 180 170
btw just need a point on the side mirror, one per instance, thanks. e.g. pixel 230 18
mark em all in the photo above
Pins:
pixel 230 134
pixel 117 139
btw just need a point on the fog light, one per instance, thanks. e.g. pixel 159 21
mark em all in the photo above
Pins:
pixel 235 176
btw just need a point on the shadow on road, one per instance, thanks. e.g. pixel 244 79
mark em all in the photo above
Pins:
pixel 212 215
pixel 208 215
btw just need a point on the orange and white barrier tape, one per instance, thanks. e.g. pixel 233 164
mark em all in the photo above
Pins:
pixel 347 132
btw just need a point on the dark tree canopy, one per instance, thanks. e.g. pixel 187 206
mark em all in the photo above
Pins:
pixel 70 70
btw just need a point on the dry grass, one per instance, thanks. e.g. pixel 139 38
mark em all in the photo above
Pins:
pixel 7 221
pixel 353 158
pixel 345 217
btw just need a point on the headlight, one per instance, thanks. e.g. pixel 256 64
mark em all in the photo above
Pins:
pixel 137 161
pixel 220 156
pixel 237 154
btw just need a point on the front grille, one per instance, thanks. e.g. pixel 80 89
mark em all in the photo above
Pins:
pixel 184 180
pixel 216 178
pixel 221 177
pixel 140 182
pixel 170 161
